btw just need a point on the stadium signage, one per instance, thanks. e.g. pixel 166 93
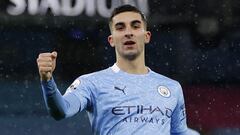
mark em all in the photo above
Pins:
pixel 71 7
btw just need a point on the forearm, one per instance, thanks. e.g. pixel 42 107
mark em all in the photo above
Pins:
pixel 55 103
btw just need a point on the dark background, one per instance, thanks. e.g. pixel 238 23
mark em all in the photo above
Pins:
pixel 196 42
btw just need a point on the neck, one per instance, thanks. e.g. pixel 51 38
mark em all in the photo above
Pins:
pixel 136 66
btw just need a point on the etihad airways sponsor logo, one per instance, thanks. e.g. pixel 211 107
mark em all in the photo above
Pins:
pixel 147 114
pixel 153 120
pixel 143 114
pixel 141 109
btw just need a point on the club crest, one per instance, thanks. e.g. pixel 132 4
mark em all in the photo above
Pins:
pixel 164 91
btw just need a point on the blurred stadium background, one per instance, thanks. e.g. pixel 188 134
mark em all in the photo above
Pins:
pixel 196 42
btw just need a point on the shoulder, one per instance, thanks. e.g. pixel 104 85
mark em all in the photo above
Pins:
pixel 88 80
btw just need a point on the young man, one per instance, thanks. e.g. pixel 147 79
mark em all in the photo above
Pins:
pixel 125 99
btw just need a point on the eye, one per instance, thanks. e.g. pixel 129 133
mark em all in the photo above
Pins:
pixel 135 26
pixel 119 26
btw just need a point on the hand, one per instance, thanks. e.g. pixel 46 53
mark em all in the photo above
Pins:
pixel 46 65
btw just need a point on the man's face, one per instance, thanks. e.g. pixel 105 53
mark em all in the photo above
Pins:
pixel 128 35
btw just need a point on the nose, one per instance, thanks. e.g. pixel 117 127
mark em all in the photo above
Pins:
pixel 128 33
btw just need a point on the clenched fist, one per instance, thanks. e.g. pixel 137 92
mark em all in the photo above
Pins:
pixel 46 65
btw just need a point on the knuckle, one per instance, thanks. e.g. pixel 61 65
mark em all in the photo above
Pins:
pixel 40 55
pixel 40 69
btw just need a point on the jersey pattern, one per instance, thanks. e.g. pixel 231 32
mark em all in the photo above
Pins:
pixel 119 103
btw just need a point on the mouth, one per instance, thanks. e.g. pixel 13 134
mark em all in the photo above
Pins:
pixel 129 43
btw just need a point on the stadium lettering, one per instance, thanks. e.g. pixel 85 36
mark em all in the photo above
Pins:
pixel 71 7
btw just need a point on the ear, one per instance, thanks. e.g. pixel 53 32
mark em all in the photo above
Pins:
pixel 110 40
pixel 147 37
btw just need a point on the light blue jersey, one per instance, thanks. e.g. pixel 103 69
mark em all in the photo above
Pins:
pixel 119 103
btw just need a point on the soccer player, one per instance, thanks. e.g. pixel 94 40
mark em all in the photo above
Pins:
pixel 125 99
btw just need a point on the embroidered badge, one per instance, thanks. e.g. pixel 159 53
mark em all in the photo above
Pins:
pixel 164 91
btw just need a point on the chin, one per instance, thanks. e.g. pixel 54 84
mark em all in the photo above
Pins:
pixel 131 56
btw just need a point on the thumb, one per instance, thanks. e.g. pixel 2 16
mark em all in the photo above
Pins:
pixel 54 54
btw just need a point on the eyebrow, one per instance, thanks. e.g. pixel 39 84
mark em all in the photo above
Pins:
pixel 119 24
pixel 135 21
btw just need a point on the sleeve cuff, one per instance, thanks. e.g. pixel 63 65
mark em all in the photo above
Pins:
pixel 49 86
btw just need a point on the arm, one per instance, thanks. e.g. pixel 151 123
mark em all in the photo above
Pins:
pixel 178 121
pixel 76 98
pixel 58 106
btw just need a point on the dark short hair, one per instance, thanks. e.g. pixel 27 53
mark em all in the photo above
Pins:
pixel 126 8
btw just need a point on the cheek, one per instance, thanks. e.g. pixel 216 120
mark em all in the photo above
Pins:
pixel 117 40
pixel 116 37
pixel 141 38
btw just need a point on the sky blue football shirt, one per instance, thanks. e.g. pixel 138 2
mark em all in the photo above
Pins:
pixel 119 103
